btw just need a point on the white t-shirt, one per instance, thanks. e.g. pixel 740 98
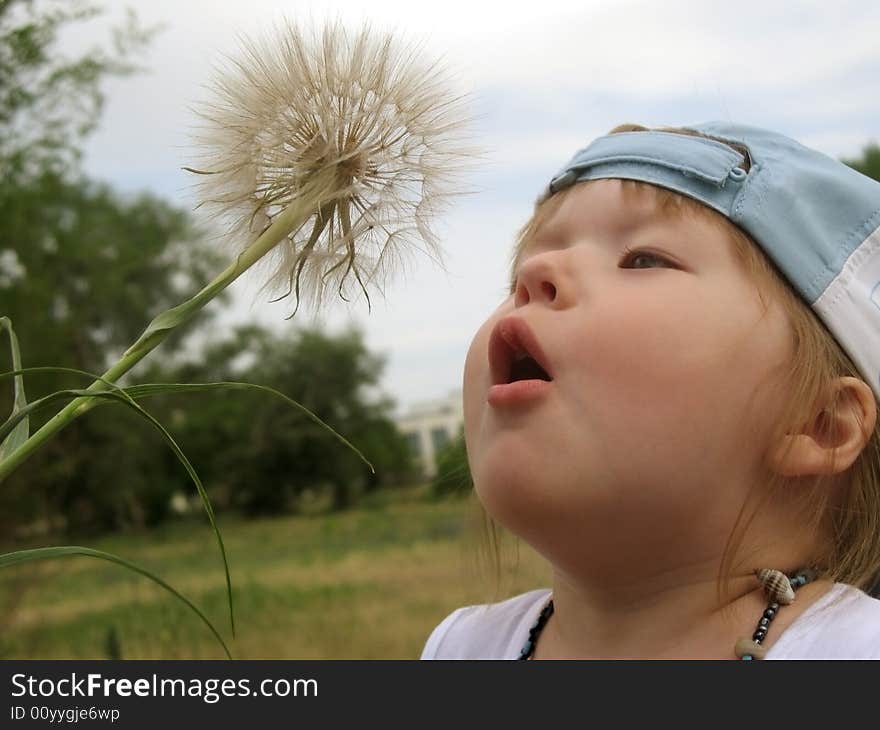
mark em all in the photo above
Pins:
pixel 842 624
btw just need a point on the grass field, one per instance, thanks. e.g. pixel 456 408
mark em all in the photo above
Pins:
pixel 370 583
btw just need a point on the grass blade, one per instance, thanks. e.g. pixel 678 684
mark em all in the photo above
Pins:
pixel 148 389
pixel 17 436
pixel 120 396
pixel 13 419
pixel 23 556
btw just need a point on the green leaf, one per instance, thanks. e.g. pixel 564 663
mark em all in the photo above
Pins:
pixel 23 556
pixel 17 436
pixel 120 396
pixel 148 389
pixel 170 319
pixel 13 419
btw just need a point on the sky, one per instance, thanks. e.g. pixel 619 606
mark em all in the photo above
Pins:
pixel 544 79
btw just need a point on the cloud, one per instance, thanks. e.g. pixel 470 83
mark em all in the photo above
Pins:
pixel 672 47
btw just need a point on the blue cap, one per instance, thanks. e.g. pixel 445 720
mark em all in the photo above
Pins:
pixel 815 217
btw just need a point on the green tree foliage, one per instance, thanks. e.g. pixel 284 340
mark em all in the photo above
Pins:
pixel 258 454
pixel 86 268
pixel 49 101
pixel 81 272
pixel 453 477
pixel 82 269
pixel 869 162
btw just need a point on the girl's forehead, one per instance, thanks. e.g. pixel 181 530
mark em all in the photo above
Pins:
pixel 611 205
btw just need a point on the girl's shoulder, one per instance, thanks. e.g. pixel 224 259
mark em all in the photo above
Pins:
pixel 842 624
pixel 487 631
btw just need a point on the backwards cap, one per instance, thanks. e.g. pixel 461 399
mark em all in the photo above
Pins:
pixel 815 217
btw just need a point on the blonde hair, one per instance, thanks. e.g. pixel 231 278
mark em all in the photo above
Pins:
pixel 844 507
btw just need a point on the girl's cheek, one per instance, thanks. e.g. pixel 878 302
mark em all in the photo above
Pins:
pixel 652 358
pixel 476 364
pixel 477 358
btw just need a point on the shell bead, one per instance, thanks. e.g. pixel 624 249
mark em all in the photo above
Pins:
pixel 777 585
pixel 780 590
pixel 746 647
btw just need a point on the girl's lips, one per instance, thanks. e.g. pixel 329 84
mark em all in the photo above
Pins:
pixel 510 336
pixel 518 392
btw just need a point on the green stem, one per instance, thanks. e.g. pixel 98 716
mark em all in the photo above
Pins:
pixel 290 219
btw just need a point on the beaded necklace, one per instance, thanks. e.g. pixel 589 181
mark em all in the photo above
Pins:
pixel 777 585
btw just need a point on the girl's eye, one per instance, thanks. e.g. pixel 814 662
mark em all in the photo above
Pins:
pixel 630 258
pixel 639 259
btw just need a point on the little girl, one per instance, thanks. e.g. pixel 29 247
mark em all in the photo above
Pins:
pixel 676 406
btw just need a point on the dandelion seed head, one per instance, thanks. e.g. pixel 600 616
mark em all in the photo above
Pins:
pixel 361 133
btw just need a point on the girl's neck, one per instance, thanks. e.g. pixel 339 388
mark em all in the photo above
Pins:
pixel 652 620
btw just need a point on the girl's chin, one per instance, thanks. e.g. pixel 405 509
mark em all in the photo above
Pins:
pixel 515 501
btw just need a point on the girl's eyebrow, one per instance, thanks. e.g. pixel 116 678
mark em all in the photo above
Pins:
pixel 554 235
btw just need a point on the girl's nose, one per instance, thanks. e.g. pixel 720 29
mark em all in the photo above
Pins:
pixel 540 281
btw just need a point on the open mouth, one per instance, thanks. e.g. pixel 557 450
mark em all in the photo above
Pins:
pixel 524 367
pixel 514 354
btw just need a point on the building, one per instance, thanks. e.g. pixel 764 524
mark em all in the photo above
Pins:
pixel 430 425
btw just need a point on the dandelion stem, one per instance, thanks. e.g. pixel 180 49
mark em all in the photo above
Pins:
pixel 288 220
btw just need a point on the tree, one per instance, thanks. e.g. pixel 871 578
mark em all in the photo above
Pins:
pixel 453 477
pixel 82 269
pixel 330 376
pixel 259 454
pixel 50 102
pixel 86 271
pixel 869 163
pixel 85 268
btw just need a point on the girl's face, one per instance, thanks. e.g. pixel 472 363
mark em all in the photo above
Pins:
pixel 664 368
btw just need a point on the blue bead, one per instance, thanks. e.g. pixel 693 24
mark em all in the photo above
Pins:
pixel 747 657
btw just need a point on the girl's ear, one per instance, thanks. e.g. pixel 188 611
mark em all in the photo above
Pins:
pixel 831 443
